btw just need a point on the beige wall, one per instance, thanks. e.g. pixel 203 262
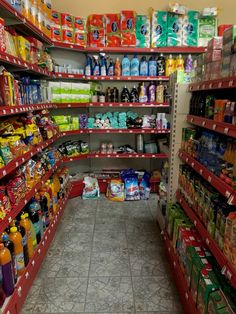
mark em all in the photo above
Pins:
pixel 85 7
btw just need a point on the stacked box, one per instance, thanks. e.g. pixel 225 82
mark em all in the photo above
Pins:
pixel 143 31
pixel 174 30
pixel 206 30
pixel 190 29
pixel 228 59
pixel 159 29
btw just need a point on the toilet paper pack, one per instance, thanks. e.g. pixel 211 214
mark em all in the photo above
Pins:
pixel 174 30
pixel 159 29
pixel 190 29
pixel 207 29
pixel 143 29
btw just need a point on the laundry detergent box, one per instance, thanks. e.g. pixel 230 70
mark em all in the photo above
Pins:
pixel 127 24
pixel 207 29
pixel 190 29
pixel 143 31
pixel 174 29
pixel 217 303
pixel 113 30
pixel 158 29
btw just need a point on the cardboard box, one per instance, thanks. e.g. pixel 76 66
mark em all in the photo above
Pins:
pixel 229 35
pixel 215 43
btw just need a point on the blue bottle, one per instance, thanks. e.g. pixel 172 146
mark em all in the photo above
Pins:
pixel 88 66
pixel 134 66
pixel 152 67
pixel 125 66
pixel 143 68
pixel 96 68
pixel 111 68
pixel 103 66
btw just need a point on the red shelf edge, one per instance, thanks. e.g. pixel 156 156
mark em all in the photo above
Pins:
pixel 220 83
pixel 115 131
pixel 26 281
pixel 212 245
pixel 219 127
pixel 180 281
pixel 11 110
pixel 110 104
pixel 215 181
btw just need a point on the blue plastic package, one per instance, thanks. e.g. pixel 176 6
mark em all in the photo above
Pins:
pixel 144 187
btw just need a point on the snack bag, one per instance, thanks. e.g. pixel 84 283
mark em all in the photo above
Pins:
pixel 128 36
pixel 91 188
pixel 144 187
pixel 113 30
pixel 115 191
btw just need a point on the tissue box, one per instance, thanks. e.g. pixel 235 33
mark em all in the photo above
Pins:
pixel 174 30
pixel 143 29
pixel 206 30
pixel 159 29
pixel 112 30
pixel 128 36
pixel 190 29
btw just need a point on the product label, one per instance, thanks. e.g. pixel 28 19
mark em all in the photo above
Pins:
pixel 95 34
pixel 129 24
pixel 144 29
pixel 114 27
pixel 20 261
pixel 159 30
pixel 24 241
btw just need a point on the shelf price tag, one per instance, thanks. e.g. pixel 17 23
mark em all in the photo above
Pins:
pixel 219 84
pixel 226 130
pixel 195 223
pixel 213 126
pixel 227 194
pixel 201 171
pixel 186 295
pixel 231 83
pixel 209 179
pixel 207 241
pixel 19 290
pixel 203 123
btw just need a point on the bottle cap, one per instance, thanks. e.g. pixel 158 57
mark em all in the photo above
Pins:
pixel 22 216
pixel 5 237
pixel 13 229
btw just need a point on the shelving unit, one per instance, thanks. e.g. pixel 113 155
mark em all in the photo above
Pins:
pixel 111 105
pixel 116 131
pixel 221 83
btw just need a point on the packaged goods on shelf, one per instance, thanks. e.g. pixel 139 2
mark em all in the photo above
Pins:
pixel 159 29
pixel 74 148
pixel 63 92
pixel 127 24
pixel 96 30
pixel 174 30
pixel 207 30
pixel 143 31
pixel 113 30
pixel 190 29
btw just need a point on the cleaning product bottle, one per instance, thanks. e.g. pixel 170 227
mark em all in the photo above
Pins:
pixel 25 223
pixel 125 96
pixel 7 271
pixel 160 93
pixel 143 67
pixel 143 94
pixel 16 238
pixel 134 66
pixel 170 65
pixel 22 231
pixel 88 66
pixel 152 66
pixel 103 66
pixel 10 246
pixel 96 67
pixel 45 210
pixel 134 95
pixel 151 92
pixel 125 66
pixel 111 69
pixel 161 65
pixel 180 62
pixel 34 217
pixel 117 67
pixel 188 64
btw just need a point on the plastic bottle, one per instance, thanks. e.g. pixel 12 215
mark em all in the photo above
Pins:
pixel 151 92
pixel 134 95
pixel 108 94
pixel 125 96
pixel 160 93
pixel 188 67
pixel 34 217
pixel 179 62
pixel 88 66
pixel 2 293
pixel 152 66
pixel 22 231
pixel 134 66
pixel 170 65
pixel 25 223
pixel 96 67
pixel 7 271
pixel 143 69
pixel 111 69
pixel 161 65
pixel 125 66
pixel 16 238
pixel 103 66
pixel 45 210
pixel 143 94
pixel 10 246
pixel 117 67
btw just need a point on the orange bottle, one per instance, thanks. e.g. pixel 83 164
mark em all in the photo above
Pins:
pixel 16 238
pixel 25 223
pixel 7 271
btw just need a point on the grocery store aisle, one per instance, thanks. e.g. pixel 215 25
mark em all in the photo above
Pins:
pixel 106 258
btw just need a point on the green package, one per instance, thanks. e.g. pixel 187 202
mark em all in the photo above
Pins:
pixel 190 29
pixel 217 303
pixel 143 31
pixel 174 30
pixel 62 119
pixel 192 253
pixel 159 29
pixel 64 127
pixel 206 30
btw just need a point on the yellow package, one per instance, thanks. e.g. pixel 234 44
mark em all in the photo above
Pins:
pixel 23 47
pixel 25 8
pixel 116 190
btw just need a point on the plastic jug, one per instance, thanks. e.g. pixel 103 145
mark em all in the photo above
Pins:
pixel 7 271
pixel 125 66
pixel 16 238
pixel 143 71
pixel 134 66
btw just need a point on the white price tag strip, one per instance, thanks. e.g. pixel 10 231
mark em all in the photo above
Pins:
pixel 207 241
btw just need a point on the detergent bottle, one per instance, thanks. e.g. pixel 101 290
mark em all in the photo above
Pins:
pixel 10 246
pixel 7 271
pixel 103 66
pixel 25 223
pixel 96 67
pixel 180 62
pixel 170 65
pixel 117 67
pixel 88 66
pixel 152 66
pixel 143 67
pixel 111 69
pixel 16 238
pixel 22 231
pixel 134 66
pixel 125 66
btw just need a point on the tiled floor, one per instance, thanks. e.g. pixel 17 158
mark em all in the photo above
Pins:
pixel 106 258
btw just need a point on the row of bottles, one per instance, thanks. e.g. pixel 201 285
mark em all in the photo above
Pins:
pixel 162 66
pixel 20 239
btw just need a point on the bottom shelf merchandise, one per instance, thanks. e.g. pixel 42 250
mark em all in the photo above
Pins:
pixel 24 235
pixel 206 289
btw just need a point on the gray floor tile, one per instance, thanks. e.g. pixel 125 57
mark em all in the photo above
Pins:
pixel 105 226
pixel 110 263
pixel 77 242
pixel 138 226
pixel 109 240
pixel 109 294
pixel 143 241
pixel 152 294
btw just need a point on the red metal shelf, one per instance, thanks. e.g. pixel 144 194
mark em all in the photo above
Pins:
pixel 65 46
pixel 11 110
pixel 18 208
pixel 114 155
pixel 219 127
pixel 127 78
pixel 178 275
pixel 67 76
pixel 17 162
pixel 221 83
pixel 23 25
pixel 222 187
pixel 227 269
pixel 111 104
pixel 15 302
pixel 116 131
